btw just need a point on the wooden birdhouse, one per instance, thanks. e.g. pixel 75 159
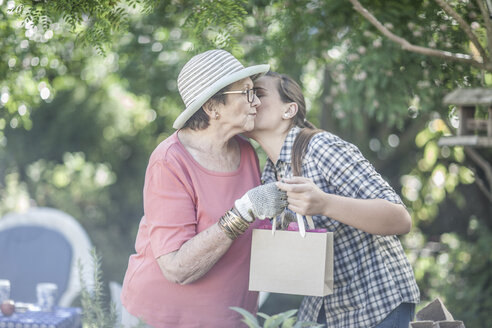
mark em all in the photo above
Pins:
pixel 471 132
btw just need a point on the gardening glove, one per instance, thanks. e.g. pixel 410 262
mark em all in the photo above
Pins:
pixel 265 201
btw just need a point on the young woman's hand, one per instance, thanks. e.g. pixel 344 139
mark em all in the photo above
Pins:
pixel 303 196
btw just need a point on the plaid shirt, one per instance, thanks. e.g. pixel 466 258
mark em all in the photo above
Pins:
pixel 372 275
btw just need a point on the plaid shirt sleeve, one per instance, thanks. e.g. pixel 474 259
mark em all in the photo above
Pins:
pixel 346 170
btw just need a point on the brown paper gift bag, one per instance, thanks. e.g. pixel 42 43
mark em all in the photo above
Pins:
pixel 285 262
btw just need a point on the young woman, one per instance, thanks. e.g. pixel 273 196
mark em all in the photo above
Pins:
pixel 374 285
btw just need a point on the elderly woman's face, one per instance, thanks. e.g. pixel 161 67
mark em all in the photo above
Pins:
pixel 238 114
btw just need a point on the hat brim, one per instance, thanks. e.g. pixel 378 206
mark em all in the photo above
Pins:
pixel 252 71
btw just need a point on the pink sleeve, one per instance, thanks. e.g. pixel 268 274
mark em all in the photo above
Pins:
pixel 169 209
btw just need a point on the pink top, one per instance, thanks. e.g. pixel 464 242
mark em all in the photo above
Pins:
pixel 181 199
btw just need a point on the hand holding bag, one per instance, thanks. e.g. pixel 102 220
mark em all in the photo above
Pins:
pixel 292 262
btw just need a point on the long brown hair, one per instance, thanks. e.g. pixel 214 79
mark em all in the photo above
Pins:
pixel 290 91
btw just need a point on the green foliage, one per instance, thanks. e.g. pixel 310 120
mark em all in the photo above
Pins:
pixel 28 64
pixel 93 21
pixel 447 247
pixel 14 194
pixel 469 293
pixel 74 181
pixel 370 77
pixel 83 162
pixel 95 313
pixel 218 21
pixel 457 271
pixel 281 320
pixel 437 174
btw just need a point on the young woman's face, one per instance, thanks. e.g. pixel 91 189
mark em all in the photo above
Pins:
pixel 272 108
pixel 238 114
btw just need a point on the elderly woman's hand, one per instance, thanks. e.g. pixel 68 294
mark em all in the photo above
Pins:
pixel 303 196
pixel 265 201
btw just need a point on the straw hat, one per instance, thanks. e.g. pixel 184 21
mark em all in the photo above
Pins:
pixel 207 73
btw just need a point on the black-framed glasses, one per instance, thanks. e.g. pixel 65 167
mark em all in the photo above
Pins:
pixel 250 94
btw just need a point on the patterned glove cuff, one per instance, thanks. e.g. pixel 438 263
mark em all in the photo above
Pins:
pixel 243 206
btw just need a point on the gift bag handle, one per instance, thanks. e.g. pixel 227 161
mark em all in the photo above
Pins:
pixel 302 227
pixel 297 154
pixel 300 223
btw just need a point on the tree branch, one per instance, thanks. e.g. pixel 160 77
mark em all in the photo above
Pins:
pixel 481 162
pixel 487 169
pixel 475 157
pixel 488 23
pixel 481 185
pixel 464 25
pixel 464 58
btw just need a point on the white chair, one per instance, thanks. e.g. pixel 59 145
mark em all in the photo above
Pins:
pixel 124 318
pixel 44 245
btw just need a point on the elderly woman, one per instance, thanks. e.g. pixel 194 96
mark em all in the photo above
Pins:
pixel 374 285
pixel 200 203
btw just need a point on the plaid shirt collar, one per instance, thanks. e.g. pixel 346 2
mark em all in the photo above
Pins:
pixel 285 152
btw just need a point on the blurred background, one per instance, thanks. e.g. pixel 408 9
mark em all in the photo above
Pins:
pixel 87 93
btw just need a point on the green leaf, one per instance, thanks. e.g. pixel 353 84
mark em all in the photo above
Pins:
pixel 249 319
pixel 277 319
pixel 263 315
